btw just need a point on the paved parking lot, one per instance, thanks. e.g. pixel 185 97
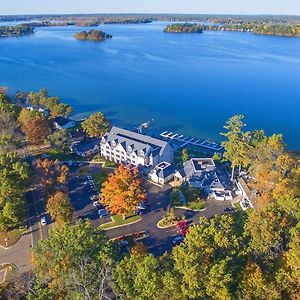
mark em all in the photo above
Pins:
pixel 159 240
pixel 83 205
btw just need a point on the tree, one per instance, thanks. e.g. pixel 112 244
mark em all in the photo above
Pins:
pixel 184 155
pixel 253 285
pixel 52 175
pixel 60 208
pixel 34 125
pixel 60 140
pixel 74 263
pixel 9 134
pixel 207 259
pixel 122 191
pixel 96 125
pixel 53 104
pixel 138 249
pixel 14 174
pixel 237 144
pixel 138 277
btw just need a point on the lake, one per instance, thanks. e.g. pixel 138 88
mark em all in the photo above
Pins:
pixel 187 83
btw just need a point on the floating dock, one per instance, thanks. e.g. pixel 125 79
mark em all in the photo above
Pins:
pixel 207 144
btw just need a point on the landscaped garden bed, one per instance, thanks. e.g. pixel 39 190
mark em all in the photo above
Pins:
pixel 187 197
pixel 117 220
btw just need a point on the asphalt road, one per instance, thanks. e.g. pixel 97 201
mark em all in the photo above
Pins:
pixel 160 240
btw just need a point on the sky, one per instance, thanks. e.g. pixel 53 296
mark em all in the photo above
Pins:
pixel 291 7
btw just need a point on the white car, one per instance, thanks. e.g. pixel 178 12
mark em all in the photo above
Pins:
pixel 96 203
pixel 43 221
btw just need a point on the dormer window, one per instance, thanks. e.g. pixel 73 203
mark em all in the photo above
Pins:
pixel 129 149
pixel 103 140
pixel 114 144
pixel 142 153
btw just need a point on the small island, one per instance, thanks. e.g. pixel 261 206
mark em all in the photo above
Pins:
pixel 16 31
pixel 92 35
pixel 184 28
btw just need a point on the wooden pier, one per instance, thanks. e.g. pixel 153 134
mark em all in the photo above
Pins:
pixel 207 144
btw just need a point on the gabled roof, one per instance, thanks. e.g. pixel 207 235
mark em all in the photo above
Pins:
pixel 138 142
pixel 86 145
pixel 163 170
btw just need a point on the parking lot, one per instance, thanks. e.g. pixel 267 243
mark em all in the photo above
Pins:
pixel 83 192
pixel 159 240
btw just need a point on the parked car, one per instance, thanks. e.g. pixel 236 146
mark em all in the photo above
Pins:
pixel 94 197
pixel 140 207
pixel 177 240
pixel 96 203
pixel 145 203
pixel 139 211
pixel 229 209
pixel 103 213
pixel 43 221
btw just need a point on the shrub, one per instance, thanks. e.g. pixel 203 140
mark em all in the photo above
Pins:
pixel 175 197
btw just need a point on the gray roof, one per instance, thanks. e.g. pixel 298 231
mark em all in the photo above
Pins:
pixel 197 165
pixel 163 171
pixel 136 141
pixel 86 145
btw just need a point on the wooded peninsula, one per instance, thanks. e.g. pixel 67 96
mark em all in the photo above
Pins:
pixel 264 28
pixel 184 28
pixel 92 35
pixel 19 30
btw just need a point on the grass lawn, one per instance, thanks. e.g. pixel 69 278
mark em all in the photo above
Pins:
pixel 118 220
pixel 107 163
pixel 99 178
pixel 54 154
pixel 13 236
pixel 196 205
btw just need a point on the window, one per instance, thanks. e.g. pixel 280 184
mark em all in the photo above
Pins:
pixel 142 153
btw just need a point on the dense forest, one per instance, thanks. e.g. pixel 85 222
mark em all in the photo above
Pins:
pixel 184 28
pixel 92 35
pixel 18 30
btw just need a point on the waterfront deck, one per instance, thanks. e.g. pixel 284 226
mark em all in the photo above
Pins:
pixel 207 144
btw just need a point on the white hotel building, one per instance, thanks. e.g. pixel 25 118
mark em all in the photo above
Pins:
pixel 124 146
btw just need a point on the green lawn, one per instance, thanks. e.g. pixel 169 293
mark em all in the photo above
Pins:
pixel 118 220
pixel 12 237
pixel 196 205
pixel 99 178
pixel 54 154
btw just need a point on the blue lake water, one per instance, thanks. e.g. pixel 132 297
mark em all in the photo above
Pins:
pixel 188 83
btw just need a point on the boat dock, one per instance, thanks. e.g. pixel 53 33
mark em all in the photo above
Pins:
pixel 207 144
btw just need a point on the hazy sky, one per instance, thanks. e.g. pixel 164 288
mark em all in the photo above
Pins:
pixel 151 6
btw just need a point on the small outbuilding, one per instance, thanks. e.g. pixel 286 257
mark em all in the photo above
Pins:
pixel 87 147
pixel 162 173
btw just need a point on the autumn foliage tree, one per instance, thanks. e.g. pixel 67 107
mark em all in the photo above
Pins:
pixel 34 125
pixel 122 191
pixel 60 208
pixel 52 175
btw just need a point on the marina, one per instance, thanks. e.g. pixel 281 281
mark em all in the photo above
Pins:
pixel 207 144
